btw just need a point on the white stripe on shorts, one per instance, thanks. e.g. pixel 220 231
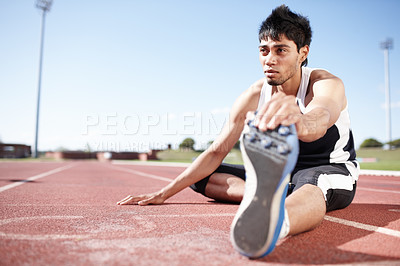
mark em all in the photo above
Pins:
pixel 335 181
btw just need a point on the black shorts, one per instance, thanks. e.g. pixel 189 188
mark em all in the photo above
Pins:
pixel 335 181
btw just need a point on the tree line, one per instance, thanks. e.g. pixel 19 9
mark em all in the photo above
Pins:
pixel 374 143
pixel 188 144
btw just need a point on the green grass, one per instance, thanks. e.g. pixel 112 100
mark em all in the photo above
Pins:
pixel 234 157
pixel 386 160
pixel 177 156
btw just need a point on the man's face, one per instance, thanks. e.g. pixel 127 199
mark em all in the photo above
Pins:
pixel 280 59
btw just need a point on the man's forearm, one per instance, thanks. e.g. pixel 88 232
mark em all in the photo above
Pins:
pixel 313 125
pixel 204 165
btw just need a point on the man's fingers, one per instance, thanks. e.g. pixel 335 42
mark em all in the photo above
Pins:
pixel 288 113
pixel 275 112
pixel 141 200
pixel 267 117
pixel 145 202
pixel 146 199
pixel 128 200
pixel 123 200
pixel 250 116
pixel 291 119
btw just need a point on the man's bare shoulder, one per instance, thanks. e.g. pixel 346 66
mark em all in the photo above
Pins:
pixel 321 74
pixel 326 85
pixel 252 94
pixel 248 100
pixel 256 87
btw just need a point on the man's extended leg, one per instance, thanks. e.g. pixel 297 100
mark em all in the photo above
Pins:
pixel 318 190
pixel 306 208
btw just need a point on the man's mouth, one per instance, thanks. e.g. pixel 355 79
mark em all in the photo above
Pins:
pixel 270 70
pixel 270 73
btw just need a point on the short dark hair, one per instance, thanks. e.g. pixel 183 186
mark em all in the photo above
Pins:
pixel 283 21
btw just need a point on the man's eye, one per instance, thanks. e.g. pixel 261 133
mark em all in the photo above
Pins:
pixel 281 50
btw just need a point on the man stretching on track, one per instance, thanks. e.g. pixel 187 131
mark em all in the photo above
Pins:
pixel 297 146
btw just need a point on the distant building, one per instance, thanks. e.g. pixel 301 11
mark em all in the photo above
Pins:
pixel 14 150
pixel 75 155
pixel 104 156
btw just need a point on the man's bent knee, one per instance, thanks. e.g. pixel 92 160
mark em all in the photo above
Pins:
pixel 200 186
pixel 235 171
pixel 225 187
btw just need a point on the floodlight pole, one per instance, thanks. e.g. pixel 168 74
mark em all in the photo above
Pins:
pixel 45 6
pixel 386 45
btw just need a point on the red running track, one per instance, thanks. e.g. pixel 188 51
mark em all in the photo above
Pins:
pixel 63 213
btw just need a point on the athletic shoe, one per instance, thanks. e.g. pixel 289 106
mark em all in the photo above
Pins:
pixel 269 158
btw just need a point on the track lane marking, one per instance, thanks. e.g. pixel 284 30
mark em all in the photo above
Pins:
pixel 38 237
pixel 142 174
pixel 35 177
pixel 380 172
pixel 197 215
pixel 367 227
pixel 151 163
pixel 378 190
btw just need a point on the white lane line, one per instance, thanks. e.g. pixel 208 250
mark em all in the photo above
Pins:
pixel 378 190
pixel 142 174
pixel 22 219
pixel 57 170
pixel 191 215
pixel 367 227
pixel 380 172
pixel 147 163
pixel 38 237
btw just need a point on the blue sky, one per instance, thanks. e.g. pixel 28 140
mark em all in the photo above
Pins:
pixel 133 75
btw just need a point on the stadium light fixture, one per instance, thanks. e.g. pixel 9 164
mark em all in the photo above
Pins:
pixel 45 6
pixel 386 46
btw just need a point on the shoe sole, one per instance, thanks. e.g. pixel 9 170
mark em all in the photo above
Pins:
pixel 271 156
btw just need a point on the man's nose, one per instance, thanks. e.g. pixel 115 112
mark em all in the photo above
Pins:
pixel 270 59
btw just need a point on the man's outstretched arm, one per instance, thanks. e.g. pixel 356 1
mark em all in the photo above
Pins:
pixel 210 159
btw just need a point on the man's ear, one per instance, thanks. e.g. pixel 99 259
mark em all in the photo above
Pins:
pixel 304 52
